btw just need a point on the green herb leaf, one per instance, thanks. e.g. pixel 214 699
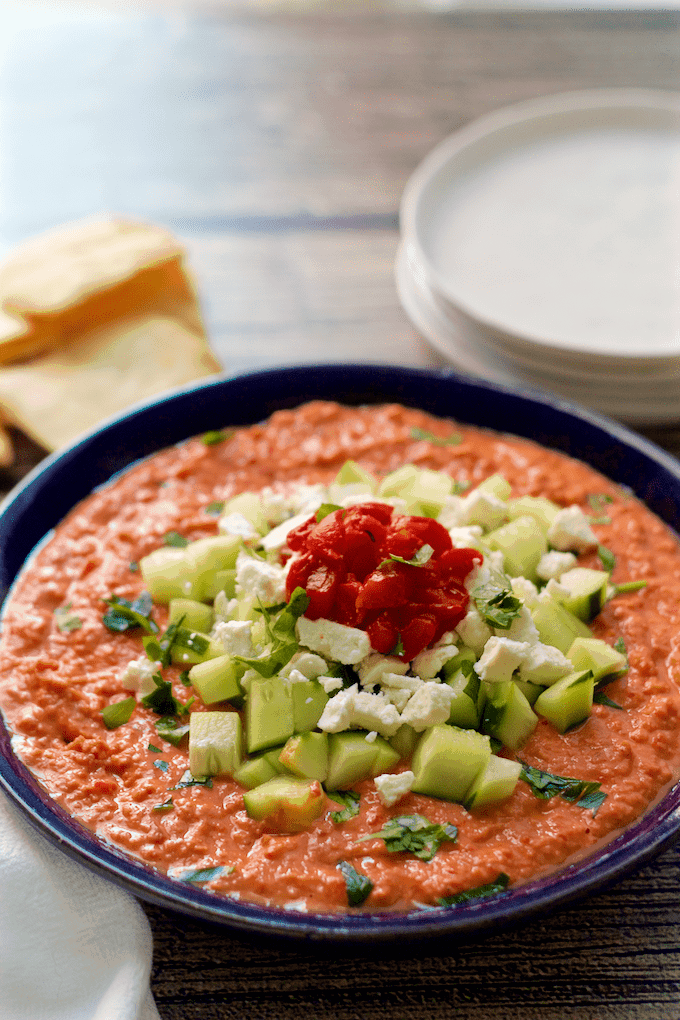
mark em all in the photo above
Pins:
pixel 282 642
pixel 133 566
pixel 478 893
pixel 188 780
pixel 498 607
pixel 66 620
pixel 173 538
pixel 358 886
pixel 123 615
pixel 453 440
pixel 325 509
pixel 216 436
pixel 160 764
pixel 169 729
pixel 118 713
pixel 152 747
pixel 167 805
pixel 419 558
pixel 161 700
pixel 184 678
pixel 207 874
pixel 600 698
pixel 628 586
pixel 351 802
pixel 607 557
pixel 215 509
pixel 597 501
pixel 545 785
pixel 398 649
pixel 175 636
pixel 415 834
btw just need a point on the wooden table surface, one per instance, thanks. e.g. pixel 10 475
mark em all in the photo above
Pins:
pixel 276 142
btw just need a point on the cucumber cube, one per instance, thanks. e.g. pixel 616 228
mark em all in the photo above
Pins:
pixel 286 802
pixel 522 543
pixel 541 509
pixel 269 714
pixel 215 743
pixel 404 741
pixel 569 701
pixel 352 473
pixel 448 760
pixel 496 486
pixel 495 783
pixel 350 758
pixel 306 755
pixel 508 716
pixel 254 772
pixel 309 700
pixel 596 655
pixel 587 591
pixel 386 756
pixel 166 574
pixel 555 624
pixel 466 693
pixel 192 614
pixel 217 679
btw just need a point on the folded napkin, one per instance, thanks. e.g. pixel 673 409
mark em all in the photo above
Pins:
pixel 94 317
pixel 73 946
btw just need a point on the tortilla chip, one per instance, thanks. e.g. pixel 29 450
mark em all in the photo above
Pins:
pixel 70 390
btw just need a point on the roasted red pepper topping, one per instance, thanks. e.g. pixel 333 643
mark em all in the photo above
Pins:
pixel 345 564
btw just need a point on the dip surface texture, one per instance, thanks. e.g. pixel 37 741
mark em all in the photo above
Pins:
pixel 55 682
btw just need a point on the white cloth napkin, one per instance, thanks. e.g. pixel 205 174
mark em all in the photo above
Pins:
pixel 72 945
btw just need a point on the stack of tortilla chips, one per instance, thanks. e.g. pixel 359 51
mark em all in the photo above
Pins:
pixel 94 317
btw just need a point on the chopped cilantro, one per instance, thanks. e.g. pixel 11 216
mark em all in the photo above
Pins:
pixel 152 747
pixel 415 834
pixel 216 436
pixel 118 713
pixel 628 586
pixel 188 780
pixel 597 501
pixel 160 764
pixel 184 678
pixel 175 636
pixel 453 440
pixel 498 607
pixel 325 509
pixel 478 893
pixel 419 558
pixel 545 785
pixel 279 622
pixel 133 566
pixel 215 509
pixel 351 802
pixel 607 557
pixel 169 729
pixel 167 805
pixel 358 886
pixel 600 698
pixel 66 620
pixel 162 701
pixel 174 538
pixel 207 874
pixel 123 615
pixel 398 649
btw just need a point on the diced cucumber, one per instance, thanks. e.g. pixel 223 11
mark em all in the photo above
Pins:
pixel 386 756
pixel 396 482
pixel 273 758
pixel 587 591
pixel 254 772
pixel 191 647
pixel 555 624
pixel 217 680
pixel 496 485
pixel 427 494
pixel 192 614
pixel 166 574
pixel 205 557
pixel 495 783
pixel 508 716
pixel 466 697
pixel 451 666
pixel 596 655
pixel 448 760
pixel 269 714
pixel 530 690
pixel 352 473
pixel 289 803
pixel 404 740
pixel 350 758
pixel 306 755
pixel 215 743
pixel 221 580
pixel 569 701
pixel 541 509
pixel 249 505
pixel 522 543
pixel 309 700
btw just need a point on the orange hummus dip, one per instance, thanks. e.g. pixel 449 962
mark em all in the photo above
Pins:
pixel 54 682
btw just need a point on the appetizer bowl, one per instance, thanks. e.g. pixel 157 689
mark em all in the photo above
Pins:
pixel 37 505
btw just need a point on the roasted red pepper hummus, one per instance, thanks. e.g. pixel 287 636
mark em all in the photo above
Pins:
pixel 60 666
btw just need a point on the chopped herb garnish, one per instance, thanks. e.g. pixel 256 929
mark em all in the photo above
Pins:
pixel 597 501
pixel 607 557
pixel 215 509
pixel 545 785
pixel 600 698
pixel 167 805
pixel 478 893
pixel 419 558
pixel 188 780
pixel 176 636
pixel 279 622
pixel 152 747
pixel 118 713
pixel 123 615
pixel 173 538
pixel 498 607
pixel 453 440
pixel 162 701
pixel 66 620
pixel 216 436
pixel 358 886
pixel 207 874
pixel 160 764
pixel 169 729
pixel 133 566
pixel 398 649
pixel 325 509
pixel 351 802
pixel 184 678
pixel 415 834
pixel 628 586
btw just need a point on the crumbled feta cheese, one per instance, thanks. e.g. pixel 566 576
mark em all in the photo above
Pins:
pixel 473 631
pixel 452 513
pixel 352 708
pixel 544 664
pixel 237 524
pixel 500 658
pixel 524 589
pixel 330 683
pixel 465 537
pixel 522 628
pixel 348 645
pixel 255 577
pixel 138 675
pixel 400 682
pixel 429 662
pixel 371 669
pixel 224 608
pixel 485 509
pixel 570 530
pixel 429 706
pixel 295 677
pixel 235 637
pixel 276 538
pixel 392 787
pixel 309 664
pixel 555 590
pixel 553 564
pixel 399 697
pixel 371 737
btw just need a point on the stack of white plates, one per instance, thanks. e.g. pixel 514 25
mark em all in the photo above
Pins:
pixel 541 246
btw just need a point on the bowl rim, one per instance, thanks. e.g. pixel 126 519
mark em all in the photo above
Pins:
pixel 99 454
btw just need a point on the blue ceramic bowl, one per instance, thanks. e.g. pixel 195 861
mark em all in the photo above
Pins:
pixel 46 495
